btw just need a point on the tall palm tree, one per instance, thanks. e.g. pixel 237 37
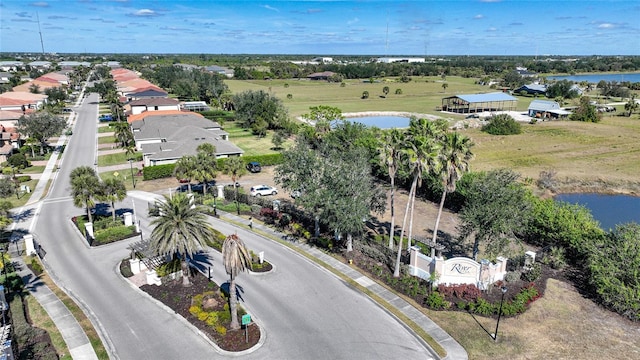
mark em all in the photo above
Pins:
pixel 631 105
pixel 181 230
pixel 390 154
pixel 234 167
pixel 85 188
pixel 185 169
pixel 421 152
pixel 236 259
pixel 113 190
pixel 122 133
pixel 206 164
pixel 454 158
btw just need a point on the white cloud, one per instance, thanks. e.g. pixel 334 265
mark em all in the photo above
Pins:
pixel 353 21
pixel 479 16
pixel 606 26
pixel 270 8
pixel 145 13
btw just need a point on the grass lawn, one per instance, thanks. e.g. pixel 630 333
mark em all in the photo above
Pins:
pixel 113 159
pixel 106 139
pixel 105 129
pixel 421 95
pixel 41 319
pixel 251 144
pixel 33 170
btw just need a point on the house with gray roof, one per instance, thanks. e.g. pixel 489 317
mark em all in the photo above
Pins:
pixel 531 89
pixel 163 139
pixel 152 104
pixel 546 109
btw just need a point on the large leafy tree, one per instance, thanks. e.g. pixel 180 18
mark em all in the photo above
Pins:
pixel 85 188
pixel 236 259
pixel 496 212
pixel 235 167
pixel 585 112
pixel 259 110
pixel 181 230
pixel 614 265
pixel 113 190
pixel 351 193
pixel 454 160
pixel 41 126
pixel 631 105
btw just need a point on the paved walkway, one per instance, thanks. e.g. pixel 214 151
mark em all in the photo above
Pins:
pixel 454 350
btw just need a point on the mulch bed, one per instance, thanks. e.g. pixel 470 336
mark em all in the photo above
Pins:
pixel 178 298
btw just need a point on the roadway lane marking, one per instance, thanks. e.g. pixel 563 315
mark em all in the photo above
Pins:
pixel 57 200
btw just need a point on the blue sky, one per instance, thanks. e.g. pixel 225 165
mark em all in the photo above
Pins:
pixel 417 28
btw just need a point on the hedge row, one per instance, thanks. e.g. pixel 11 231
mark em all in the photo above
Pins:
pixel 166 170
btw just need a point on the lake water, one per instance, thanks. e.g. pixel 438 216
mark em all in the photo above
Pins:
pixel 609 210
pixel 382 122
pixel 595 78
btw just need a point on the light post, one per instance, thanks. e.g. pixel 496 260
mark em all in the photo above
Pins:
pixel 133 180
pixel 504 291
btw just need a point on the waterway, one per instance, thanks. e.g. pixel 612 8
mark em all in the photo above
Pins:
pixel 608 210
pixel 596 78
pixel 382 122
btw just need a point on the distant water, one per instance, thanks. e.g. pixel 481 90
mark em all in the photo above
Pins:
pixel 596 78
pixel 382 122
pixel 609 210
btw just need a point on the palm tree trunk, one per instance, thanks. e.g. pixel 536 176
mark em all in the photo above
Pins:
pixel 113 210
pixel 233 304
pixel 413 203
pixel 396 270
pixel 185 272
pixel 393 214
pixel 237 202
pixel 435 228
pixel 349 242
pixel 89 214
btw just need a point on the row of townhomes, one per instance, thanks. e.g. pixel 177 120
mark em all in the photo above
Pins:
pixel 164 128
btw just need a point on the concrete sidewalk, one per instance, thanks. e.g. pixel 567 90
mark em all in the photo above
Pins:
pixel 74 336
pixel 454 350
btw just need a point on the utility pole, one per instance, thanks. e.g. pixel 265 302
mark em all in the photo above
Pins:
pixel 40 32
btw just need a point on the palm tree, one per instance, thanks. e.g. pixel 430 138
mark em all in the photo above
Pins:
pixel 236 259
pixel 181 229
pixel 113 190
pixel 123 133
pixel 454 157
pixel 234 166
pixel 85 188
pixel 421 154
pixel 390 154
pixel 206 164
pixel 444 87
pixel 631 106
pixel 185 169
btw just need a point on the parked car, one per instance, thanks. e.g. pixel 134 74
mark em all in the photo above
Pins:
pixel 262 190
pixel 106 117
pixel 254 167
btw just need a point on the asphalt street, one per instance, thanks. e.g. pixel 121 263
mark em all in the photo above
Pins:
pixel 305 311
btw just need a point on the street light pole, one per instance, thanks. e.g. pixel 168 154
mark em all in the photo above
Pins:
pixel 133 180
pixel 504 291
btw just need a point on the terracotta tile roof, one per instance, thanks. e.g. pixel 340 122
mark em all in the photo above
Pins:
pixel 20 95
pixel 10 114
pixel 41 84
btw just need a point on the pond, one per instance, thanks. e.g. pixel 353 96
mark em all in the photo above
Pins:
pixel 595 78
pixel 382 122
pixel 609 210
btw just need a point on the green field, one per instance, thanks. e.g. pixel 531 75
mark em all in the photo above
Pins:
pixel 582 154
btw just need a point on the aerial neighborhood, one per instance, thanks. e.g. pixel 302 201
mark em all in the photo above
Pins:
pixel 318 207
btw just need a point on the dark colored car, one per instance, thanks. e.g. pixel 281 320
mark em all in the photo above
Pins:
pixel 254 167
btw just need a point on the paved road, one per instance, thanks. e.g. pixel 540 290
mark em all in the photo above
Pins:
pixel 307 312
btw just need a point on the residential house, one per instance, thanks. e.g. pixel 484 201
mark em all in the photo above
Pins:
pixel 152 104
pixel 531 89
pixel 164 137
pixel 9 140
pixel 11 65
pixel 152 92
pixel 22 101
pixel 9 118
pixel 4 77
pixel 546 109
pixel 42 65
pixel 220 70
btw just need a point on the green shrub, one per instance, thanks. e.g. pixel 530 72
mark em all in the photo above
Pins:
pixel 125 268
pixel 169 268
pixel 502 124
pixel 158 171
pixel 23 178
pixel 483 307
pixel 533 273
pixel 110 235
pixel 35 265
pixel 221 330
pixel 436 301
